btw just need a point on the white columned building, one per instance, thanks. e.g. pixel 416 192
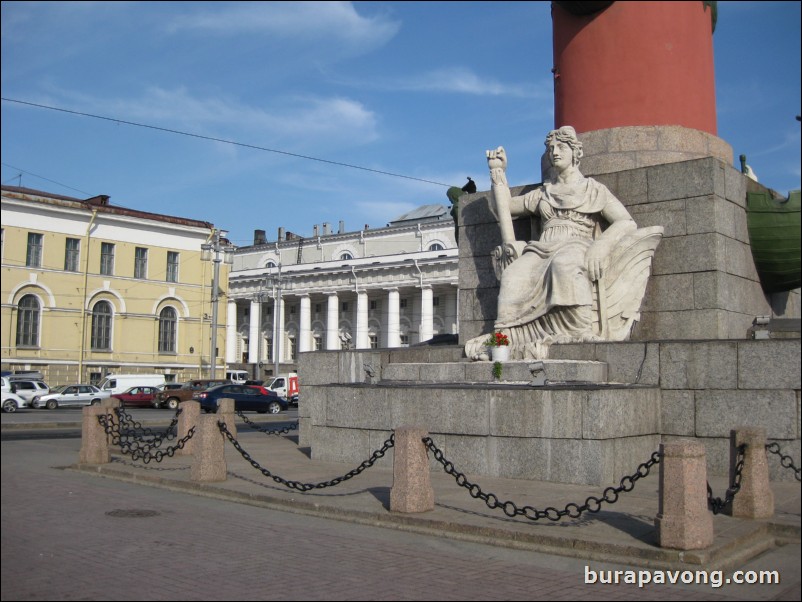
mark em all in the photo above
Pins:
pixel 255 322
pixel 362 334
pixel 426 328
pixel 305 330
pixel 393 318
pixel 231 332
pixel 371 288
pixel 332 322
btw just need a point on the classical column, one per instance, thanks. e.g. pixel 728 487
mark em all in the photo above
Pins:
pixel 305 331
pixel 231 332
pixel 393 314
pixel 278 331
pixel 362 338
pixel 332 323
pixel 254 334
pixel 426 328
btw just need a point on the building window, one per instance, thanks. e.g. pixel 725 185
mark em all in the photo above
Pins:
pixel 28 322
pixel 345 306
pixel 101 326
pixel 140 263
pixel 346 256
pixel 402 303
pixel 269 345
pixel 317 308
pixel 292 312
pixel 318 343
pixel 72 255
pixel 436 246
pixel 374 305
pixel 435 301
pixel 172 266
pixel 33 258
pixel 293 349
pixel 107 259
pixel 168 322
pixel 374 341
pixel 405 340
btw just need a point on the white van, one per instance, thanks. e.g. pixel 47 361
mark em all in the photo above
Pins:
pixel 286 386
pixel 119 383
pixel 238 377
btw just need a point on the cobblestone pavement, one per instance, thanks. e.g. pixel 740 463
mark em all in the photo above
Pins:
pixel 68 535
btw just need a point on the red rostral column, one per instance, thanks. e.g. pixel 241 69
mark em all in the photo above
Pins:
pixel 632 64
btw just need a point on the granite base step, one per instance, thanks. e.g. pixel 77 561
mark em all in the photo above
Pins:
pixel 554 372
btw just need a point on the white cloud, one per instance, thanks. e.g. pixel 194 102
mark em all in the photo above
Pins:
pixel 460 80
pixel 335 22
pixel 294 122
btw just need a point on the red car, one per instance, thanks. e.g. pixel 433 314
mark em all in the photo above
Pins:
pixel 137 396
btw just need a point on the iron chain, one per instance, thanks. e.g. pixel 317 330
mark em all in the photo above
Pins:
pixel 592 503
pixel 255 426
pixel 716 504
pixel 303 487
pixel 136 446
pixel 786 461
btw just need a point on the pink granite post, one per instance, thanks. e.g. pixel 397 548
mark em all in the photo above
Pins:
pixel 94 441
pixel 683 521
pixel 225 412
pixel 412 488
pixel 754 499
pixel 209 458
pixel 111 405
pixel 190 413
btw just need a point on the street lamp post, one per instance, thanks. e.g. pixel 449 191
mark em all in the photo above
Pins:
pixel 217 252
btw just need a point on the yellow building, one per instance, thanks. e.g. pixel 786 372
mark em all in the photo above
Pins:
pixel 89 289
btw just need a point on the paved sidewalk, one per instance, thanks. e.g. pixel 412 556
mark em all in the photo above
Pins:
pixel 619 533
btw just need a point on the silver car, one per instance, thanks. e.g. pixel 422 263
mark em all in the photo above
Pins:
pixel 71 396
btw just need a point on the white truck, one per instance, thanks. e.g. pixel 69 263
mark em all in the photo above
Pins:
pixel 286 386
pixel 119 383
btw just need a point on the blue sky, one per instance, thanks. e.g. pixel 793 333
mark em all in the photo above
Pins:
pixel 419 89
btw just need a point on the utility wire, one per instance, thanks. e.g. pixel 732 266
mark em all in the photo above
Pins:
pixel 44 178
pixel 213 139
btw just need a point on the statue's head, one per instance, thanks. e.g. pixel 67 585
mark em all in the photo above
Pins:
pixel 567 135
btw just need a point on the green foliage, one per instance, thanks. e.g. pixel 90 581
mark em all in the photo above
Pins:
pixel 497 368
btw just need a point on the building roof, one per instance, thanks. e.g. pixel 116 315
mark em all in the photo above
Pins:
pixel 98 203
pixel 423 214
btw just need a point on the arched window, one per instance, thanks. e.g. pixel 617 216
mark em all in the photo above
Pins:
pixel 345 256
pixel 168 321
pixel 435 246
pixel 28 322
pixel 101 326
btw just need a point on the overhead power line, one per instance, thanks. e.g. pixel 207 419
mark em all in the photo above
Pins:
pixel 213 139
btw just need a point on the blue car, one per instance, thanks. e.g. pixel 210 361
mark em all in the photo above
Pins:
pixel 246 399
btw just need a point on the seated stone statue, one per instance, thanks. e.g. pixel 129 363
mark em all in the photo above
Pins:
pixel 584 279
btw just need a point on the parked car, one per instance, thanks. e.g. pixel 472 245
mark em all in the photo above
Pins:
pixel 170 386
pixel 245 399
pixel 137 396
pixel 170 398
pixel 28 389
pixel 13 402
pixel 71 396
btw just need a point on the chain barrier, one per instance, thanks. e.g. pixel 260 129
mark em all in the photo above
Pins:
pixel 716 504
pixel 253 425
pixel 138 447
pixel 785 461
pixel 592 504
pixel 303 487
pixel 135 430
